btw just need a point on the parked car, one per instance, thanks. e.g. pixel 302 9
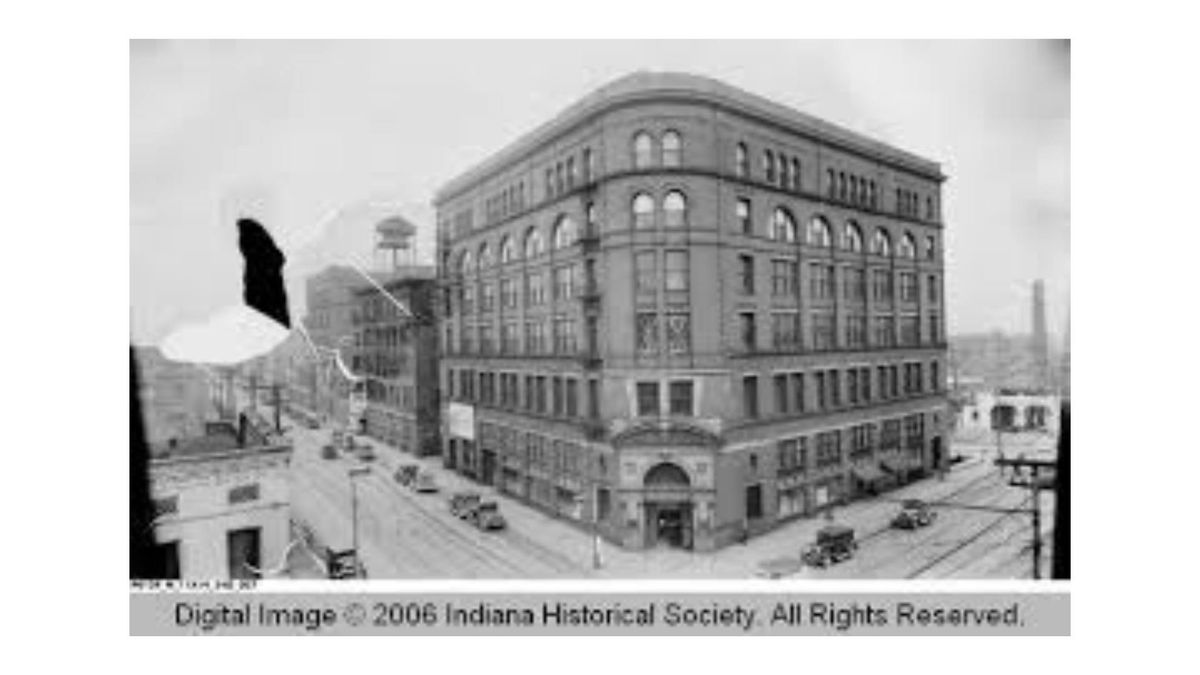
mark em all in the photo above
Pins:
pixel 406 474
pixel 425 482
pixel 834 544
pixel 913 513
pixel 329 452
pixel 365 453
pixel 486 516
pixel 462 503
pixel 312 423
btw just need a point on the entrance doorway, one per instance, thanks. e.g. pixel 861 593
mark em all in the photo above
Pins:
pixel 669 524
pixel 487 467
pixel 935 450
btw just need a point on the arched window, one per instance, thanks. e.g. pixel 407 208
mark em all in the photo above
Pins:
pixel 818 233
pixel 485 256
pixel 742 163
pixel 842 186
pixel 831 180
pixel 871 194
pixel 565 232
pixel 930 248
pixel 854 189
pixel 672 149
pixel 908 247
pixel 508 251
pixel 783 225
pixel 534 245
pixel 853 240
pixel 783 171
pixel 881 243
pixel 643 211
pixel 675 209
pixel 466 264
pixel 643 149
pixel 769 165
pixel 795 174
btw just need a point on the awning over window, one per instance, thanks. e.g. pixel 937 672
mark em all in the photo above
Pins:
pixel 867 473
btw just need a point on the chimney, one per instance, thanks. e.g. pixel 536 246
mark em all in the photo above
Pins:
pixel 1040 343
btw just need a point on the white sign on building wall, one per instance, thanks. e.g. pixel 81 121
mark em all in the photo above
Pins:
pixel 461 420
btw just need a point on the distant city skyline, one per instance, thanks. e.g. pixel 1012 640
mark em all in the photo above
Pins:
pixel 322 140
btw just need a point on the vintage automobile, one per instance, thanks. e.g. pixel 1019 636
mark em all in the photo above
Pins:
pixel 425 482
pixel 365 453
pixel 913 513
pixel 486 516
pixel 329 452
pixel 463 503
pixel 834 544
pixel 406 474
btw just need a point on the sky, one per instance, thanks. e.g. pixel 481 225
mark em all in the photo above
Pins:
pixel 322 140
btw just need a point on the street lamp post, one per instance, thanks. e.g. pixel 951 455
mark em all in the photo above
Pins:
pixel 353 474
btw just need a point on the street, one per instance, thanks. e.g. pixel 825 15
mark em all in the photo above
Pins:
pixel 404 534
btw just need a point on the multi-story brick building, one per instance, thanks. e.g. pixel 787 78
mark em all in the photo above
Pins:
pixel 689 314
pixel 398 355
pixel 330 303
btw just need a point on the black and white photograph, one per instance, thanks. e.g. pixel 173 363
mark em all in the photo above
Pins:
pixel 764 310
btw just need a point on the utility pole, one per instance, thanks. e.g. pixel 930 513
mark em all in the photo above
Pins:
pixel 354 474
pixel 1039 474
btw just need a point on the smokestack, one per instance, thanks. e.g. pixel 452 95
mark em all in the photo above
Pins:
pixel 1040 346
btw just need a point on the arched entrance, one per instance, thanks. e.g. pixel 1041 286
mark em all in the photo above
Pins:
pixel 668 506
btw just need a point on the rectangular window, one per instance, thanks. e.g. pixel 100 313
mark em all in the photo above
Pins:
pixel 864 383
pixel 677 270
pixel 647 332
pixel 647 399
pixel 564 282
pixel 785 278
pixel 785 331
pixel 679 333
pixel 646 272
pixel 824 334
pixel 822 281
pixel 932 284
pixel 935 328
pixel 750 396
pixel 885 331
pixel 881 285
pixel 855 284
pixel 743 216
pixel 852 387
pixel 856 331
pixel 681 393
pixel 835 388
pixel 935 376
pixel 822 391
pixel 243 493
pixel 508 294
pixel 748 331
pixel 557 398
pixel 781 394
pixel 798 396
pixel 535 290
pixel 747 274
pixel 829 451
pixel 908 287
pixel 909 330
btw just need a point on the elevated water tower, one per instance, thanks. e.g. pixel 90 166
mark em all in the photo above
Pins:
pixel 395 234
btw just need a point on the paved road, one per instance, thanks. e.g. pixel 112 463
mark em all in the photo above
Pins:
pixel 408 535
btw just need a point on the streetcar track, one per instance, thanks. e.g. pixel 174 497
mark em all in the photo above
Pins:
pixel 964 543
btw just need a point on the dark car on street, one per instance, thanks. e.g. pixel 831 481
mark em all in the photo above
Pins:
pixel 463 503
pixel 406 474
pixel 486 516
pixel 425 482
pixel 913 514
pixel 365 453
pixel 328 452
pixel 834 544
